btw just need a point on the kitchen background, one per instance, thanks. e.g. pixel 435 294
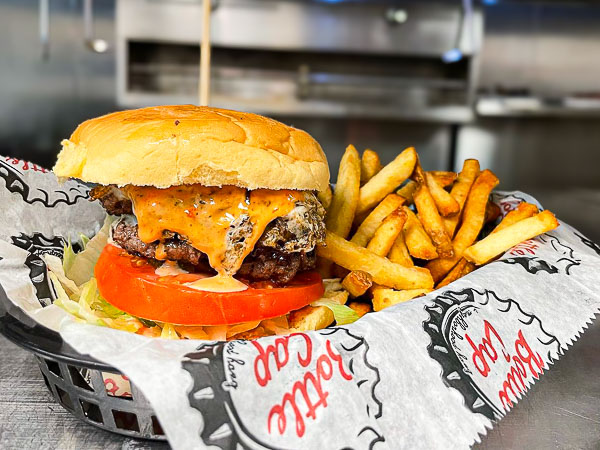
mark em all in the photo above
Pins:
pixel 515 84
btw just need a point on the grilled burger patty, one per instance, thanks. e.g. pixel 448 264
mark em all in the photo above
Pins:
pixel 264 263
pixel 112 199
pixel 285 248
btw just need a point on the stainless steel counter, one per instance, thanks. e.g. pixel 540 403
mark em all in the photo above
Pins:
pixel 561 411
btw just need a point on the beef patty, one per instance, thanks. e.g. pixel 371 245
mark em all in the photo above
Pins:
pixel 263 263
pixel 112 199
pixel 285 248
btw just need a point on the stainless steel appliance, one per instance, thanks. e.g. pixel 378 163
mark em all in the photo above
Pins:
pixel 305 58
pixel 50 77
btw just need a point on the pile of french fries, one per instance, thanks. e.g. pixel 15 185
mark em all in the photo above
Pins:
pixel 397 232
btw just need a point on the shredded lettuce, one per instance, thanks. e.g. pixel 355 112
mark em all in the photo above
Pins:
pixel 343 314
pixel 79 267
pixel 77 292
pixel 68 256
pixel 62 299
pixel 88 306
pixel 84 240
pixel 55 266
pixel 335 298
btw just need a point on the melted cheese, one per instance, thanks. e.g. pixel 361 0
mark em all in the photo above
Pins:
pixel 207 216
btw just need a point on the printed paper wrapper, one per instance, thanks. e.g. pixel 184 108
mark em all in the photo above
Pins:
pixel 433 372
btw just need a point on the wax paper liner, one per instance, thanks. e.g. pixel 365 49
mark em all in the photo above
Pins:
pixel 433 372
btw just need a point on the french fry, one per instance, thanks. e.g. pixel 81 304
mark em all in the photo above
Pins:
pixel 440 267
pixel 369 165
pixel 310 318
pixel 460 191
pixel 367 228
pixel 387 180
pixel 360 308
pixel 346 194
pixel 444 229
pixel 492 212
pixel 360 218
pixel 496 244
pixel 461 268
pixel 386 234
pixel 446 204
pixel 444 178
pixel 383 271
pixel 418 174
pixel 399 252
pixel 522 211
pixel 408 191
pixel 384 297
pixel 474 213
pixel 417 240
pixel 472 222
pixel 315 318
pixel 357 283
pixel 432 222
pixel 325 197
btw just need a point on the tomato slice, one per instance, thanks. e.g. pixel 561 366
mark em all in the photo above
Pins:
pixel 131 284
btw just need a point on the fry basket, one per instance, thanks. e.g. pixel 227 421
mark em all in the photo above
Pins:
pixel 78 382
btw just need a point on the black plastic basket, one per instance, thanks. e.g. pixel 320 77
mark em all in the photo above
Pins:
pixel 76 381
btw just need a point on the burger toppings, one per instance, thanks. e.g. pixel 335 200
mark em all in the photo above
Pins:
pixel 112 199
pixel 267 235
pixel 263 263
pixel 125 234
pixel 268 264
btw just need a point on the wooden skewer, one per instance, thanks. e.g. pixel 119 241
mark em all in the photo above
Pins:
pixel 204 82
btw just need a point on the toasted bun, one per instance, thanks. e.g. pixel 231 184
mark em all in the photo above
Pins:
pixel 172 145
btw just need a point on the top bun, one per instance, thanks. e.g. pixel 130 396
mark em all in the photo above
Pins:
pixel 172 145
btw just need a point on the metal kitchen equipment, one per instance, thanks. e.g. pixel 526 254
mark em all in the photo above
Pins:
pixel 305 58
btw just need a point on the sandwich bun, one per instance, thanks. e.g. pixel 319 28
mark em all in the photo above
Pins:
pixel 167 146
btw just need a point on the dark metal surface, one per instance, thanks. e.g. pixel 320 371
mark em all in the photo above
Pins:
pixel 47 89
pixel 325 59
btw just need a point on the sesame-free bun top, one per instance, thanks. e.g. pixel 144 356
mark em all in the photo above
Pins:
pixel 172 145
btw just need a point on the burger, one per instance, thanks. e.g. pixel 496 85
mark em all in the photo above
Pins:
pixel 217 217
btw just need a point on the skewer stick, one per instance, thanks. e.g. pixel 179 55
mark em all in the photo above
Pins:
pixel 204 82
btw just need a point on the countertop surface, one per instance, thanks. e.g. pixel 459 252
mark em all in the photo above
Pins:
pixel 561 411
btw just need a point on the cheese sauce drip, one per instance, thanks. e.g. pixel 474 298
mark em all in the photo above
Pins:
pixel 224 223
